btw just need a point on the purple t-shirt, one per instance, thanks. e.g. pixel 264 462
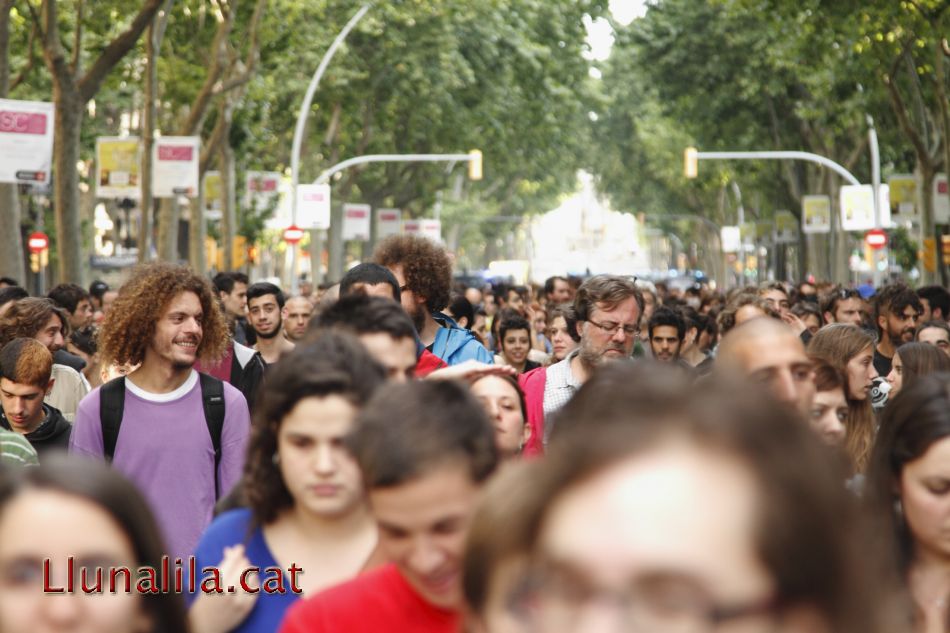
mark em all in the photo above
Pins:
pixel 165 448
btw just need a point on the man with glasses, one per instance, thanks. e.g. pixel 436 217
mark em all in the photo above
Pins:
pixel 608 309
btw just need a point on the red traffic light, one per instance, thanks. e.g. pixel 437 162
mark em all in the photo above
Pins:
pixel 876 238
pixel 293 234
pixel 37 242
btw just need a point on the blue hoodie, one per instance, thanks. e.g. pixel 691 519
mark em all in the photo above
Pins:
pixel 455 345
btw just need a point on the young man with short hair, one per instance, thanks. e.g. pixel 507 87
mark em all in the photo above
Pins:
pixel 936 303
pixel 423 478
pixel 374 280
pixel 25 379
pixel 936 333
pixel 75 300
pixel 557 290
pixel 382 327
pixel 264 304
pixel 667 330
pixel 424 274
pixel 231 289
pixel 843 305
pixel 897 310
pixel 162 425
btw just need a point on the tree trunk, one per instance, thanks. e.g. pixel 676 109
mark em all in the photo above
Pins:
pixel 198 232
pixel 228 202
pixel 69 112
pixel 152 46
pixel 168 230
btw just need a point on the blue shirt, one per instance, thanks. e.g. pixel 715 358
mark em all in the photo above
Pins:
pixel 231 528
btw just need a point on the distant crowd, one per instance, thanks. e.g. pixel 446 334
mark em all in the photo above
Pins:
pixel 402 452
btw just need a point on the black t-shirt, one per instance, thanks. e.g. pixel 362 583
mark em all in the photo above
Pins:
pixel 882 364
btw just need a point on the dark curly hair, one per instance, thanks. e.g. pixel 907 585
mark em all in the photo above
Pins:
pixel 130 324
pixel 425 267
pixel 26 317
pixel 335 364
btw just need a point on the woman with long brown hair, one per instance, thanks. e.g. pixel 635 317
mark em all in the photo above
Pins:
pixel 912 361
pixel 850 350
pixel 304 491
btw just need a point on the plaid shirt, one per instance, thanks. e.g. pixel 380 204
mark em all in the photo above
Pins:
pixel 560 385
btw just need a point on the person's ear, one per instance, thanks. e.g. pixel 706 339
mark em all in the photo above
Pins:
pixel 882 322
pixel 579 326
pixel 463 322
pixel 49 386
pixel 526 434
pixel 828 318
pixel 283 313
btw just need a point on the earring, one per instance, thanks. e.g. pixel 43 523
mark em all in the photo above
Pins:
pixel 899 509
pixel 276 458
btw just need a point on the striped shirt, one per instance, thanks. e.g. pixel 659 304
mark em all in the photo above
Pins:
pixel 16 450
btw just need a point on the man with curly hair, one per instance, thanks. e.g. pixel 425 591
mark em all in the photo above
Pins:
pixel 164 319
pixel 424 273
pixel 897 310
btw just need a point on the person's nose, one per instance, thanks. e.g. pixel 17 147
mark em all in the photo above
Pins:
pixel 783 387
pixel 425 557
pixel 324 462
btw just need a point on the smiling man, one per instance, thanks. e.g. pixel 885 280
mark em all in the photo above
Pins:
pixel 423 478
pixel 608 309
pixel 177 434
pixel 265 303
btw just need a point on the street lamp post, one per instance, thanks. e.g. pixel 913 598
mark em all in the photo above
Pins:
pixel 301 126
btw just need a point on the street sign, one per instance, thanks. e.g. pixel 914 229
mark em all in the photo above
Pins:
pixel 816 212
pixel 117 167
pixel 731 239
pixel 293 234
pixel 941 200
pixel 175 166
pixel 356 221
pixel 786 227
pixel 876 238
pixel 37 242
pixel 313 206
pixel 26 140
pixel 388 222
pixel 903 191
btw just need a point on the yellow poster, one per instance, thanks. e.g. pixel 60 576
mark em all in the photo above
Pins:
pixel 117 167
pixel 212 184
pixel 903 192
pixel 816 212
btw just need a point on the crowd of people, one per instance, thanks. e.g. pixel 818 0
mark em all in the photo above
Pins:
pixel 402 452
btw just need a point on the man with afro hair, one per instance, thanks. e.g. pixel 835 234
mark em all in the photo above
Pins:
pixel 424 273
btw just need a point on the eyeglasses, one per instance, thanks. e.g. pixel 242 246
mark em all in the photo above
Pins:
pixel 612 328
pixel 555 603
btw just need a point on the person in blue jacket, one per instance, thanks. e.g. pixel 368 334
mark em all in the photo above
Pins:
pixel 424 273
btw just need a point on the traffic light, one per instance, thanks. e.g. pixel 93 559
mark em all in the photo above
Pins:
pixel 475 165
pixel 691 162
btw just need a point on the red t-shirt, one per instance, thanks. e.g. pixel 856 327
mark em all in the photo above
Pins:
pixel 428 363
pixel 380 601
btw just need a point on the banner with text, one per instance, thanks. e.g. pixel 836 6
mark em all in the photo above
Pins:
pixel 261 188
pixel 26 141
pixel 175 166
pixel 786 227
pixel 212 195
pixel 816 211
pixel 903 193
pixel 388 222
pixel 356 219
pixel 941 200
pixel 313 207
pixel 427 228
pixel 117 167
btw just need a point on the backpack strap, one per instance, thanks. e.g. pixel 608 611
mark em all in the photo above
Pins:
pixel 111 407
pixel 212 399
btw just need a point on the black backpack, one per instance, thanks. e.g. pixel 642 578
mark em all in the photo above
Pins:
pixel 112 406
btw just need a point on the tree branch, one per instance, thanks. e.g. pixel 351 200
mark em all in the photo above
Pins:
pixel 52 48
pixel 218 52
pixel 210 147
pixel 30 61
pixel 77 38
pixel 116 50
pixel 900 111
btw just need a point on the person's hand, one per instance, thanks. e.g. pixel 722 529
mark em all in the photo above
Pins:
pixel 471 370
pixel 219 613
pixel 794 322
